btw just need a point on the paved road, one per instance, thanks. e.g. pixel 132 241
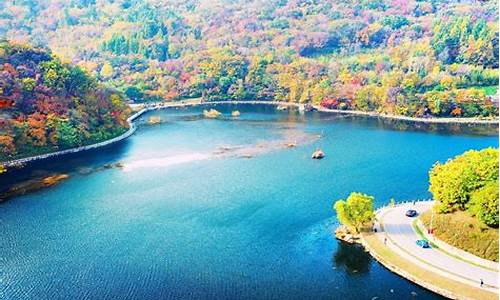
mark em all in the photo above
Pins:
pixel 401 238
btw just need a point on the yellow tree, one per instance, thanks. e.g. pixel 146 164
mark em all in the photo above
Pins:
pixel 107 70
pixel 356 211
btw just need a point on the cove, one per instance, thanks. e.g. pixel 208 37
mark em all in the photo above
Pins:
pixel 241 216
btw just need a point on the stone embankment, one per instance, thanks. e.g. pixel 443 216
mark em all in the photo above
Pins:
pixel 23 161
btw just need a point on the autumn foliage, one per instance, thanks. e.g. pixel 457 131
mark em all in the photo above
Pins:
pixel 420 58
pixel 54 105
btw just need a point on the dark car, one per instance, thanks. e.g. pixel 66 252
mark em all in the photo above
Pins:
pixel 423 244
pixel 411 213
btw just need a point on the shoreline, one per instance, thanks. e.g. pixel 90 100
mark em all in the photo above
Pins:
pixel 451 293
pixel 20 162
pixel 446 120
pixel 143 108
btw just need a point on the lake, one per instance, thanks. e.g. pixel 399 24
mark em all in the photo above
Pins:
pixel 233 208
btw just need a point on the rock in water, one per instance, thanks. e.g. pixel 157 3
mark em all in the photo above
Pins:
pixel 154 120
pixel 235 113
pixel 212 113
pixel 52 180
pixel 318 154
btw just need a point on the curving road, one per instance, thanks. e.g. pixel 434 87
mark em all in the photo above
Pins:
pixel 401 239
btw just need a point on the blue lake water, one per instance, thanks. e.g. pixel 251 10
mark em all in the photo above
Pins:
pixel 218 209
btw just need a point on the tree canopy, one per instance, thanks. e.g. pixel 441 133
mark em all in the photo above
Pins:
pixel 484 203
pixel 356 211
pixel 50 105
pixel 468 182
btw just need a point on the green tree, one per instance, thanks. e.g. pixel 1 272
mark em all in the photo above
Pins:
pixel 55 74
pixel 220 69
pixel 484 203
pixel 464 39
pixel 453 183
pixel 107 70
pixel 356 211
pixel 134 93
pixel 394 21
pixel 78 82
pixel 260 84
pixel 28 85
pixel 68 135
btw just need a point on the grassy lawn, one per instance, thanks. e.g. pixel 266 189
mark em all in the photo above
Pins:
pixel 387 256
pixel 463 231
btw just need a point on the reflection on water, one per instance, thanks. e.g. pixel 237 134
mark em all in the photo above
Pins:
pixel 31 186
pixel 351 258
pixel 402 125
pixel 161 162
pixel 292 115
pixel 288 137
pixel 83 163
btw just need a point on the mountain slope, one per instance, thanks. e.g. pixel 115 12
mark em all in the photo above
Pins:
pixel 412 57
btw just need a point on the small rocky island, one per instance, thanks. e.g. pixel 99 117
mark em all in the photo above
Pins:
pixel 154 120
pixel 211 114
pixel 318 154
pixel 344 234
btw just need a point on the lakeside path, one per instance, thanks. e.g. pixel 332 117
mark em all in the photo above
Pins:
pixel 143 108
pixel 430 268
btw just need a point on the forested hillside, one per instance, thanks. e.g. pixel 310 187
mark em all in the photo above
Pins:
pixel 408 57
pixel 47 105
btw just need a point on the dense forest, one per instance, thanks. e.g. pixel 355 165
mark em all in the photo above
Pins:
pixel 48 105
pixel 407 57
